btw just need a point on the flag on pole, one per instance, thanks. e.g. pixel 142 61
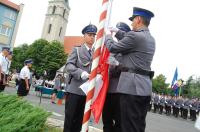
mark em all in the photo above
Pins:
pixel 175 78
pixel 101 85
pixel 174 84
pixel 98 103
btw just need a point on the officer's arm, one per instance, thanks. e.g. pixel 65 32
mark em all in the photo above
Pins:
pixel 0 67
pixel 71 65
pixel 120 35
pixel 27 83
pixel 123 46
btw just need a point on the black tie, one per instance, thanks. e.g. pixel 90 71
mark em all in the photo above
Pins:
pixel 90 52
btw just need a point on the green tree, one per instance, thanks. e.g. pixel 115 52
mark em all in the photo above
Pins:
pixel 55 57
pixel 20 54
pixel 159 84
pixel 37 53
pixel 46 56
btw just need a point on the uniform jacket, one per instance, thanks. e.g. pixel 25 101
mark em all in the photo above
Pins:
pixel 162 101
pixel 113 79
pixel 75 66
pixel 194 106
pixel 137 49
pixel 187 104
pixel 156 99
pixel 179 103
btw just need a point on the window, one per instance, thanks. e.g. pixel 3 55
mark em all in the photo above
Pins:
pixel 54 9
pixel 49 30
pixel 10 14
pixel 64 13
pixel 5 30
pixel 60 31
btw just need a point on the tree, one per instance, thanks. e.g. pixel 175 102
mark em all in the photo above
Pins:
pixel 46 56
pixel 159 84
pixel 55 57
pixel 20 54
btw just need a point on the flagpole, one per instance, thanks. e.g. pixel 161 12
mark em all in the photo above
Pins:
pixel 95 62
pixel 179 91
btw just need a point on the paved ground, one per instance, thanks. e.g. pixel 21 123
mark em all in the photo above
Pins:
pixel 155 122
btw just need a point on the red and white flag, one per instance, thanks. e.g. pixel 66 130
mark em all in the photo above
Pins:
pixel 101 85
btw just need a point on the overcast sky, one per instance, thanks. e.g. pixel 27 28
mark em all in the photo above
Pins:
pixel 175 28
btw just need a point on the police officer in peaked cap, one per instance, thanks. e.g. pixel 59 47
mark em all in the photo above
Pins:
pixel 3 67
pixel 135 86
pixel 78 66
pixel 24 85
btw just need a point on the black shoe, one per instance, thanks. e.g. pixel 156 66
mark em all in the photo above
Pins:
pixel 53 102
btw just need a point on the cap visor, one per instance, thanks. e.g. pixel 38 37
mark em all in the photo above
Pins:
pixel 91 33
pixel 131 18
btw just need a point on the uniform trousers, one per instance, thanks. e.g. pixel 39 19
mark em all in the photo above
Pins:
pixel 74 110
pixel 111 113
pixel 2 85
pixel 133 111
pixel 22 91
pixel 155 105
pixel 193 115
pixel 185 113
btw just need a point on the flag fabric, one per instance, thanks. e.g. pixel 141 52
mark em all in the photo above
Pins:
pixel 174 84
pixel 98 102
pixel 175 78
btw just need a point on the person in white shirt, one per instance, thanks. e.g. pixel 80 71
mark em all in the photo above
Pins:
pixel 9 60
pixel 3 67
pixel 24 85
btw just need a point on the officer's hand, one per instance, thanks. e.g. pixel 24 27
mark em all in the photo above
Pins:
pixel 27 88
pixel 113 29
pixel 107 31
pixel 84 75
pixel 112 61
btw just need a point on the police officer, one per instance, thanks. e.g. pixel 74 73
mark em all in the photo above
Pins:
pixel 9 59
pixel 186 106
pixel 3 67
pixel 194 109
pixel 170 104
pixel 162 104
pixel 135 86
pixel 111 110
pixel 78 66
pixel 178 105
pixel 167 104
pixel 24 85
pixel 155 103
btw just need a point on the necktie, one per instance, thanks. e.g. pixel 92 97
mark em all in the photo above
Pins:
pixel 90 52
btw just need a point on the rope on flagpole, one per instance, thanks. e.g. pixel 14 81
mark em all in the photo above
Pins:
pixel 95 62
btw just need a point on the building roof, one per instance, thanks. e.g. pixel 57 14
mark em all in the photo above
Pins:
pixel 71 41
pixel 10 4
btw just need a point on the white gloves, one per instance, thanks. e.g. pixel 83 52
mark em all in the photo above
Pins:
pixel 107 32
pixel 113 29
pixel 84 75
pixel 112 61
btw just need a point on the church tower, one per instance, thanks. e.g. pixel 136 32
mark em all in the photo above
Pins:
pixel 56 20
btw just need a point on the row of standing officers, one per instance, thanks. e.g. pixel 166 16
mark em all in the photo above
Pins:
pixel 176 106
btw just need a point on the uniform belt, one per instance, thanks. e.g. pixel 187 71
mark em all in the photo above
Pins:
pixel 138 71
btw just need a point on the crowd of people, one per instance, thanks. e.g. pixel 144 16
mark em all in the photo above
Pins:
pixel 177 106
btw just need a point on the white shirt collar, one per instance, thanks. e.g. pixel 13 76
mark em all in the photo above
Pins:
pixel 86 46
